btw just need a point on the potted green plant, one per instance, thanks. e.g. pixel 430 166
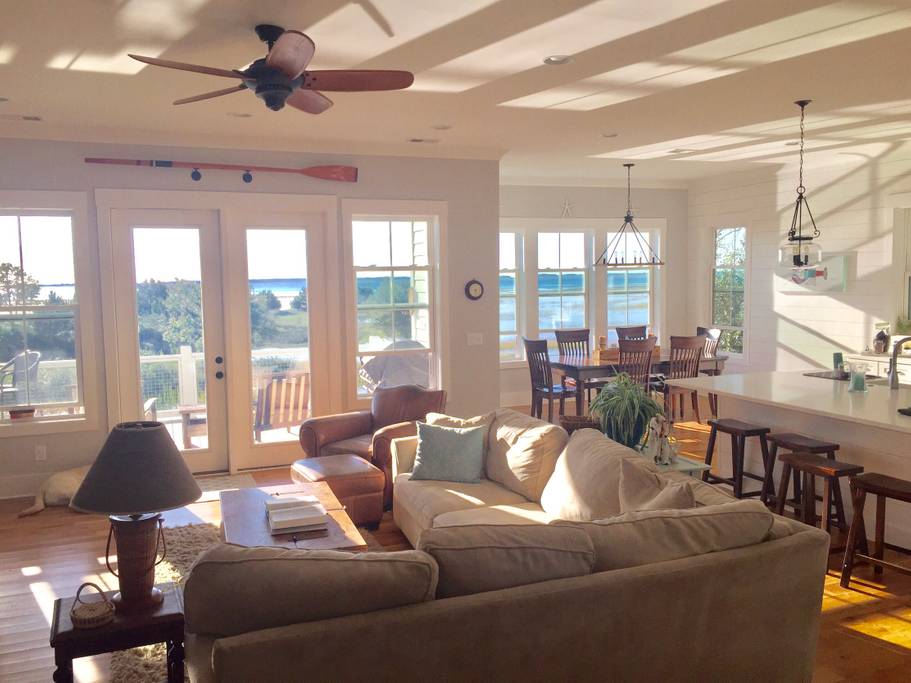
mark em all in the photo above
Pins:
pixel 624 410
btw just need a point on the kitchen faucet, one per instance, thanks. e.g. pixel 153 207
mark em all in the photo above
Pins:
pixel 893 363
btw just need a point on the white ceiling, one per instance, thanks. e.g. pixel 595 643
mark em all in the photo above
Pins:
pixel 712 79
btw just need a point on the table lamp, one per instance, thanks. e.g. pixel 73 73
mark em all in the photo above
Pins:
pixel 138 474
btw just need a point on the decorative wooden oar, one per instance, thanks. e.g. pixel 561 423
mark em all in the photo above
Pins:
pixel 343 174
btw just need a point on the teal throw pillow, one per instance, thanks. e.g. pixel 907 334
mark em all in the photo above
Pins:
pixel 449 453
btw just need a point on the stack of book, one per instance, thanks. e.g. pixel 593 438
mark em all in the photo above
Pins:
pixel 296 514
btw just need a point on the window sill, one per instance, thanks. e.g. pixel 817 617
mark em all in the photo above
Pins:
pixel 12 429
pixel 511 364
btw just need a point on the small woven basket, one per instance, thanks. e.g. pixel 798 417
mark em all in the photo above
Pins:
pixel 91 614
pixel 573 422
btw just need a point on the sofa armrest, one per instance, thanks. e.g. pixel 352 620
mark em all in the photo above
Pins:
pixel 322 431
pixel 403 452
pixel 381 450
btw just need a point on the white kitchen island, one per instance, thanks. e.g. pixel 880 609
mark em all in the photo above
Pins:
pixel 867 426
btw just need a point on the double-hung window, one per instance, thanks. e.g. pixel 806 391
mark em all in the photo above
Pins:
pixel 728 287
pixel 40 364
pixel 394 302
pixel 510 305
pixel 630 292
pixel 561 282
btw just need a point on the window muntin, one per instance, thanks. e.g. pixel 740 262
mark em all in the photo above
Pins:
pixel 561 282
pixel 393 302
pixel 728 287
pixel 629 292
pixel 510 243
pixel 40 366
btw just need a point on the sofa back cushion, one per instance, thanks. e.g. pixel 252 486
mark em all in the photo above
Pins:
pixel 585 484
pixel 639 538
pixel 475 559
pixel 449 453
pixel 232 589
pixel 404 403
pixel 643 489
pixel 522 452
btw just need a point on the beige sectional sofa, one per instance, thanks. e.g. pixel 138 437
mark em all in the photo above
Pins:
pixel 530 575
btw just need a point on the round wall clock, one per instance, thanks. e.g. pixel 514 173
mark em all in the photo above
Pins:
pixel 474 290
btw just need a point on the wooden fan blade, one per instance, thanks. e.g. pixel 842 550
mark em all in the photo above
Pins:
pixel 291 53
pixel 210 95
pixel 310 101
pixel 358 79
pixel 167 63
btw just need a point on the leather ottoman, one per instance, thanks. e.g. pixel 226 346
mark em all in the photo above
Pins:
pixel 355 482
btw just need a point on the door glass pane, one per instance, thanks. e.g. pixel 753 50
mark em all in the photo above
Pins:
pixel 279 332
pixel 171 347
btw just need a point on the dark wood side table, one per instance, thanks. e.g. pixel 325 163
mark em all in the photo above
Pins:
pixel 164 624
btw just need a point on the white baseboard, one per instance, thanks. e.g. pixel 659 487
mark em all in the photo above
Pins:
pixel 21 485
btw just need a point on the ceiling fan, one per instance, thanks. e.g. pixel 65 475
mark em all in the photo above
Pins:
pixel 281 77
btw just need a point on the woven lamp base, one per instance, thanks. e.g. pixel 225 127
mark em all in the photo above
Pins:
pixel 137 555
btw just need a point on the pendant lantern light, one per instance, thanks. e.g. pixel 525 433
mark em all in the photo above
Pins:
pixel 641 255
pixel 799 250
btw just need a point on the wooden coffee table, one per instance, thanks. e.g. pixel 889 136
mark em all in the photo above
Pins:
pixel 243 513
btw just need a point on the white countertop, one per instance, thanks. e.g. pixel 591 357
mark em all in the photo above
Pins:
pixel 877 407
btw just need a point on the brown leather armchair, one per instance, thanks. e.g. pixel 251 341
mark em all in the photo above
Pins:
pixel 369 433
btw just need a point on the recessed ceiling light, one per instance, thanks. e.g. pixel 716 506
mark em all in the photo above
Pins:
pixel 441 126
pixel 19 117
pixel 4 99
pixel 557 60
pixel 609 135
pixel 239 114
pixel 423 141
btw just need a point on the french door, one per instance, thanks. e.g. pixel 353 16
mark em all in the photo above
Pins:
pixel 221 331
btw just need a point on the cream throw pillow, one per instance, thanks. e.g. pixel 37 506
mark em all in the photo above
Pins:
pixel 642 489
pixel 639 538
pixel 522 452
pixel 585 484
pixel 474 559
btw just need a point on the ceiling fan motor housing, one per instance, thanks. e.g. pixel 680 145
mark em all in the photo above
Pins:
pixel 270 85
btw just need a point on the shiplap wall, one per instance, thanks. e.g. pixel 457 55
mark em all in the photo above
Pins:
pixel 859 214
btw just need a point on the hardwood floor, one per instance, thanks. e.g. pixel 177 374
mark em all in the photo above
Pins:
pixel 865 633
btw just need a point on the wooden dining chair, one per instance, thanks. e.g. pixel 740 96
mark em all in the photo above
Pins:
pixel 542 381
pixel 712 337
pixel 686 354
pixel 576 343
pixel 635 332
pixel 636 359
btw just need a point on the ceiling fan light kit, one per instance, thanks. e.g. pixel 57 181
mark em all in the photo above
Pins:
pixel 281 77
pixel 615 254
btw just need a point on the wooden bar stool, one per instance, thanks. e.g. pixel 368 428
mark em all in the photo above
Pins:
pixel 798 443
pixel 812 466
pixel 883 487
pixel 740 432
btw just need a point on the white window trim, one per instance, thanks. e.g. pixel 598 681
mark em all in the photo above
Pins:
pixel 84 268
pixel 435 213
pixel 725 225
pixel 596 230
pixel 519 247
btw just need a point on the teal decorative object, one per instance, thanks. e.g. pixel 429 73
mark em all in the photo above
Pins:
pixel 624 410
pixel 449 453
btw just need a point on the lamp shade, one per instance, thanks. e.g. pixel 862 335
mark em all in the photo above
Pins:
pixel 139 470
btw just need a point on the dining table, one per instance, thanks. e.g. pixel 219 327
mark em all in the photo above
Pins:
pixel 582 368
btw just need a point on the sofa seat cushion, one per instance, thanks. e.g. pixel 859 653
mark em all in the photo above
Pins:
pixel 523 513
pixel 475 559
pixel 233 589
pixel 639 538
pixel 358 445
pixel 425 500
pixel 522 452
pixel 585 484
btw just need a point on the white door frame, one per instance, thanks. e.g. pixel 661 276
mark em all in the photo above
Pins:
pixel 215 456
pixel 224 203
